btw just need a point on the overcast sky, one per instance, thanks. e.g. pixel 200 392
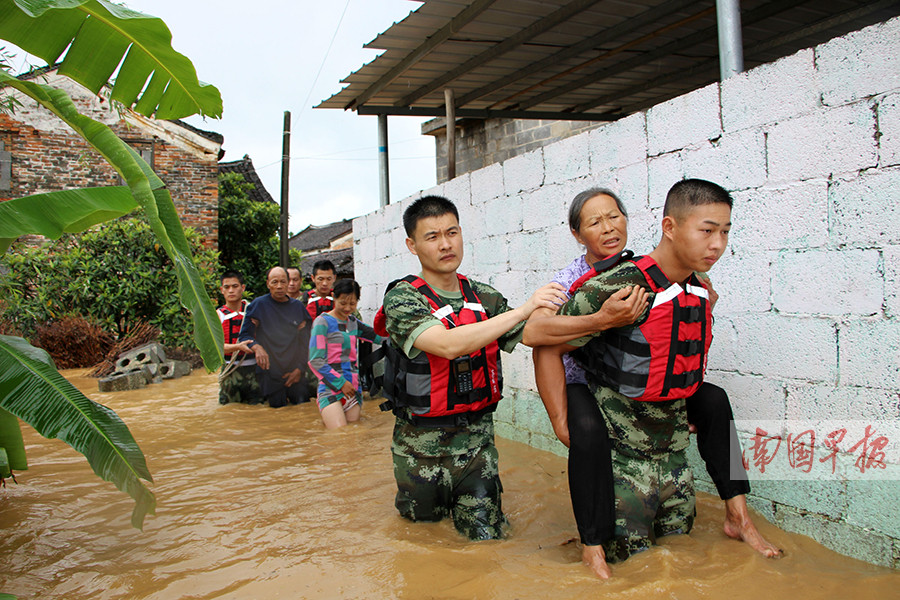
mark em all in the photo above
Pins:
pixel 268 56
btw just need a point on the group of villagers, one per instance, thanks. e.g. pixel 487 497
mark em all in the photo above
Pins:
pixel 273 342
pixel 620 348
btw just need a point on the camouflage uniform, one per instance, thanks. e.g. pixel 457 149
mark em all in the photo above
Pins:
pixel 444 471
pixel 653 483
pixel 241 385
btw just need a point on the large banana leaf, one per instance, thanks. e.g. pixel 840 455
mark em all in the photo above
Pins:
pixel 152 196
pixel 11 441
pixel 56 213
pixel 98 35
pixel 33 390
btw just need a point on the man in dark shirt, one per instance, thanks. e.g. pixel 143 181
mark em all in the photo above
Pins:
pixel 276 328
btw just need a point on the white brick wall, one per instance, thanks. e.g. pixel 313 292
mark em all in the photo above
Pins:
pixel 808 321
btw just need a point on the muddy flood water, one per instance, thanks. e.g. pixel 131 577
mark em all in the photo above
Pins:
pixel 262 503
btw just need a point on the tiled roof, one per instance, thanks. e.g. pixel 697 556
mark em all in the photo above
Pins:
pixel 342 259
pixel 318 237
pixel 245 167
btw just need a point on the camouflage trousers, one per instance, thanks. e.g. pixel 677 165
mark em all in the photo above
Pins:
pixel 464 486
pixel 654 498
pixel 241 385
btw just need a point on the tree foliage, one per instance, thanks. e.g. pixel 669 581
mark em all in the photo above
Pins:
pixel 248 233
pixel 116 274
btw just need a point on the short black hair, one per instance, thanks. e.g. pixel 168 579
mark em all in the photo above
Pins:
pixel 344 287
pixel 299 272
pixel 229 275
pixel 689 193
pixel 323 265
pixel 424 207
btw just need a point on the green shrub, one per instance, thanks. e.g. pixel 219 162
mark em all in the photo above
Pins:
pixel 116 275
pixel 248 233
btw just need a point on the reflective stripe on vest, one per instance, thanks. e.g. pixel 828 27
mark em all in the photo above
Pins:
pixel 231 323
pixel 665 357
pixel 426 384
pixel 316 305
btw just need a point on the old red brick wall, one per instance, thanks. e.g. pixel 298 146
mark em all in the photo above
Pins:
pixel 45 161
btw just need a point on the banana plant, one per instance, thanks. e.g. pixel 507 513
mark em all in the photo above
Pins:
pixel 97 38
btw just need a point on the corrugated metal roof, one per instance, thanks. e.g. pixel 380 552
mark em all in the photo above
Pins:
pixel 576 59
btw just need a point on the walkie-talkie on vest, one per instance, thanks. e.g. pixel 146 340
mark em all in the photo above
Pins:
pixel 462 374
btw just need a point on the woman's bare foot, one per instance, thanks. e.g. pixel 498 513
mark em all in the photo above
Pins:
pixel 595 558
pixel 739 526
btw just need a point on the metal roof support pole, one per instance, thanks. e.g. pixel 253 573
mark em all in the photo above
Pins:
pixel 731 42
pixel 384 185
pixel 450 105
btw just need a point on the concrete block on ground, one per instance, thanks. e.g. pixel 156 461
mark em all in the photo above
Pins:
pixel 860 64
pixel 122 381
pixel 826 142
pixel 173 369
pixel 690 119
pixel 145 354
pixel 770 92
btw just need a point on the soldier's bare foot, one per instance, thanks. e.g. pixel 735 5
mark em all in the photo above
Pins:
pixel 739 526
pixel 595 558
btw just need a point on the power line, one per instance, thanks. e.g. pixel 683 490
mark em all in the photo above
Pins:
pixel 324 58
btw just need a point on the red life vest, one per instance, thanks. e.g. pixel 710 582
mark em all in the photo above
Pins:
pixel 231 323
pixel 434 388
pixel 316 305
pixel 664 358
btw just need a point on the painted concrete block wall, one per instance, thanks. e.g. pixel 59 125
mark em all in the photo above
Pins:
pixel 808 324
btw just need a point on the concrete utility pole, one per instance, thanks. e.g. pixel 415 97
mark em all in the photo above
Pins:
pixel 731 40
pixel 285 175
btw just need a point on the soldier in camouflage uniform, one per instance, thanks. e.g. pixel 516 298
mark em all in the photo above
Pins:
pixel 653 483
pixel 449 468
pixel 238 381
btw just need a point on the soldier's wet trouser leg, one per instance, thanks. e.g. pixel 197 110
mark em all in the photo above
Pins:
pixel 475 498
pixel 590 467
pixel 655 498
pixel 710 411
pixel 466 486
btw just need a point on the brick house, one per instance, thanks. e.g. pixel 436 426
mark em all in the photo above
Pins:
pixel 40 153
